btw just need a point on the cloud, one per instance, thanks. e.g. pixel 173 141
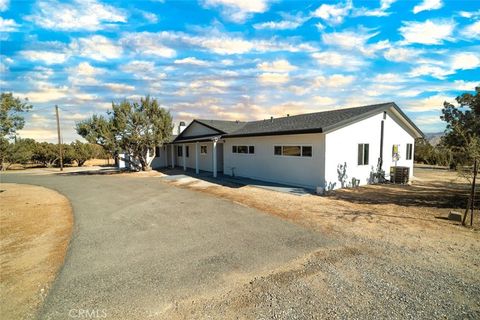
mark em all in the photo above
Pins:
pixel 192 61
pixel 216 42
pixel 147 43
pixel 402 54
pixel 150 17
pixel 273 78
pixel 4 4
pixel 472 31
pixel 47 93
pixel 428 32
pixel 465 61
pixel 355 40
pixel 88 15
pixel 441 69
pixel 288 23
pixel 8 25
pixel 334 59
pixel 49 57
pixel 427 5
pixel 238 10
pixel 119 87
pixel 432 103
pixel 143 70
pixel 379 12
pixel 280 65
pixel 323 101
pixel 333 14
pixel 333 81
pixel 96 47
pixel 85 74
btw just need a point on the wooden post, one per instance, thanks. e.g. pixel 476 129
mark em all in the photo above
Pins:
pixel 59 140
pixel 472 194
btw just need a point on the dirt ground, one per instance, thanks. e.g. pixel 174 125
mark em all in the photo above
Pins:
pixel 400 257
pixel 35 228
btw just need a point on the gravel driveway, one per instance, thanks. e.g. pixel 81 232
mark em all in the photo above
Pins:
pixel 139 245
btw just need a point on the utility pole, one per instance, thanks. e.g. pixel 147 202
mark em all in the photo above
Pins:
pixel 59 140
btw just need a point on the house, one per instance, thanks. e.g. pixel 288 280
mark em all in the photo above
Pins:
pixel 322 150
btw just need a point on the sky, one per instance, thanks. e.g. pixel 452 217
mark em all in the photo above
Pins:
pixel 236 59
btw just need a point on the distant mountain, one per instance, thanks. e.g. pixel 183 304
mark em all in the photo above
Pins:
pixel 433 138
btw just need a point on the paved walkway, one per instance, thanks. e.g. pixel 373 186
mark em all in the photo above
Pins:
pixel 140 244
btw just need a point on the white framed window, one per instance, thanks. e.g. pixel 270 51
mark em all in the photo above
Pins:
pixel 409 153
pixel 363 154
pixel 293 151
pixel 243 149
pixel 179 151
pixel 203 149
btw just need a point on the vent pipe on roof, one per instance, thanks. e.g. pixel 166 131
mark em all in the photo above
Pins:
pixel 288 114
pixel 271 119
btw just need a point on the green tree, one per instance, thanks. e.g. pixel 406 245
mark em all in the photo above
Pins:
pixel 81 152
pixel 45 153
pixel 135 128
pixel 11 120
pixel 462 134
pixel 19 152
pixel 99 130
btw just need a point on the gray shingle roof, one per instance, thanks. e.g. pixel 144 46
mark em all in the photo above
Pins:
pixel 223 125
pixel 304 123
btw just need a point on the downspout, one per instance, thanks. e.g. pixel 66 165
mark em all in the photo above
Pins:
pixel 382 128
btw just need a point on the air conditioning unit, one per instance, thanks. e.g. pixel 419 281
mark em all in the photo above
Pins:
pixel 399 174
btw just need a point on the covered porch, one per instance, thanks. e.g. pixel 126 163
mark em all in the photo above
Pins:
pixel 197 154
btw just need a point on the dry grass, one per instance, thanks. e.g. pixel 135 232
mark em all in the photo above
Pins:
pixel 403 214
pixel 35 228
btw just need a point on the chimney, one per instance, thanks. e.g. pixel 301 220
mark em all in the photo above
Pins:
pixel 181 127
pixel 271 119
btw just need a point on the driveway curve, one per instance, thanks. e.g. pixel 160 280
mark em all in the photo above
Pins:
pixel 139 245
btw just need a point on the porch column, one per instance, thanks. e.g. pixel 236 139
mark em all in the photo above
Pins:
pixel 197 170
pixel 184 156
pixel 214 155
pixel 165 151
pixel 173 156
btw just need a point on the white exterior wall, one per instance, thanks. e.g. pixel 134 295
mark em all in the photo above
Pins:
pixel 264 165
pixel 341 146
pixel 196 129
pixel 395 133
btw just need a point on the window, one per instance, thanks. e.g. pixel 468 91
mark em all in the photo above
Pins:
pixel 293 151
pixel 203 149
pixel 179 151
pixel 409 151
pixel 306 151
pixel 243 149
pixel 187 153
pixel 157 151
pixel 363 154
pixel 277 150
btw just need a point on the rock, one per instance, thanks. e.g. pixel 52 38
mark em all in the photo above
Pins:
pixel 455 216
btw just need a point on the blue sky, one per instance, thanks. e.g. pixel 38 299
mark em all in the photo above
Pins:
pixel 236 59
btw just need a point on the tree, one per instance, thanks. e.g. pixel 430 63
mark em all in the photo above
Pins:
pixel 135 128
pixel 11 120
pixel 81 152
pixel 45 153
pixel 99 130
pixel 462 135
pixel 18 152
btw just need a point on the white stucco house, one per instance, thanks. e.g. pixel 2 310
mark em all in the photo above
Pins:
pixel 323 150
